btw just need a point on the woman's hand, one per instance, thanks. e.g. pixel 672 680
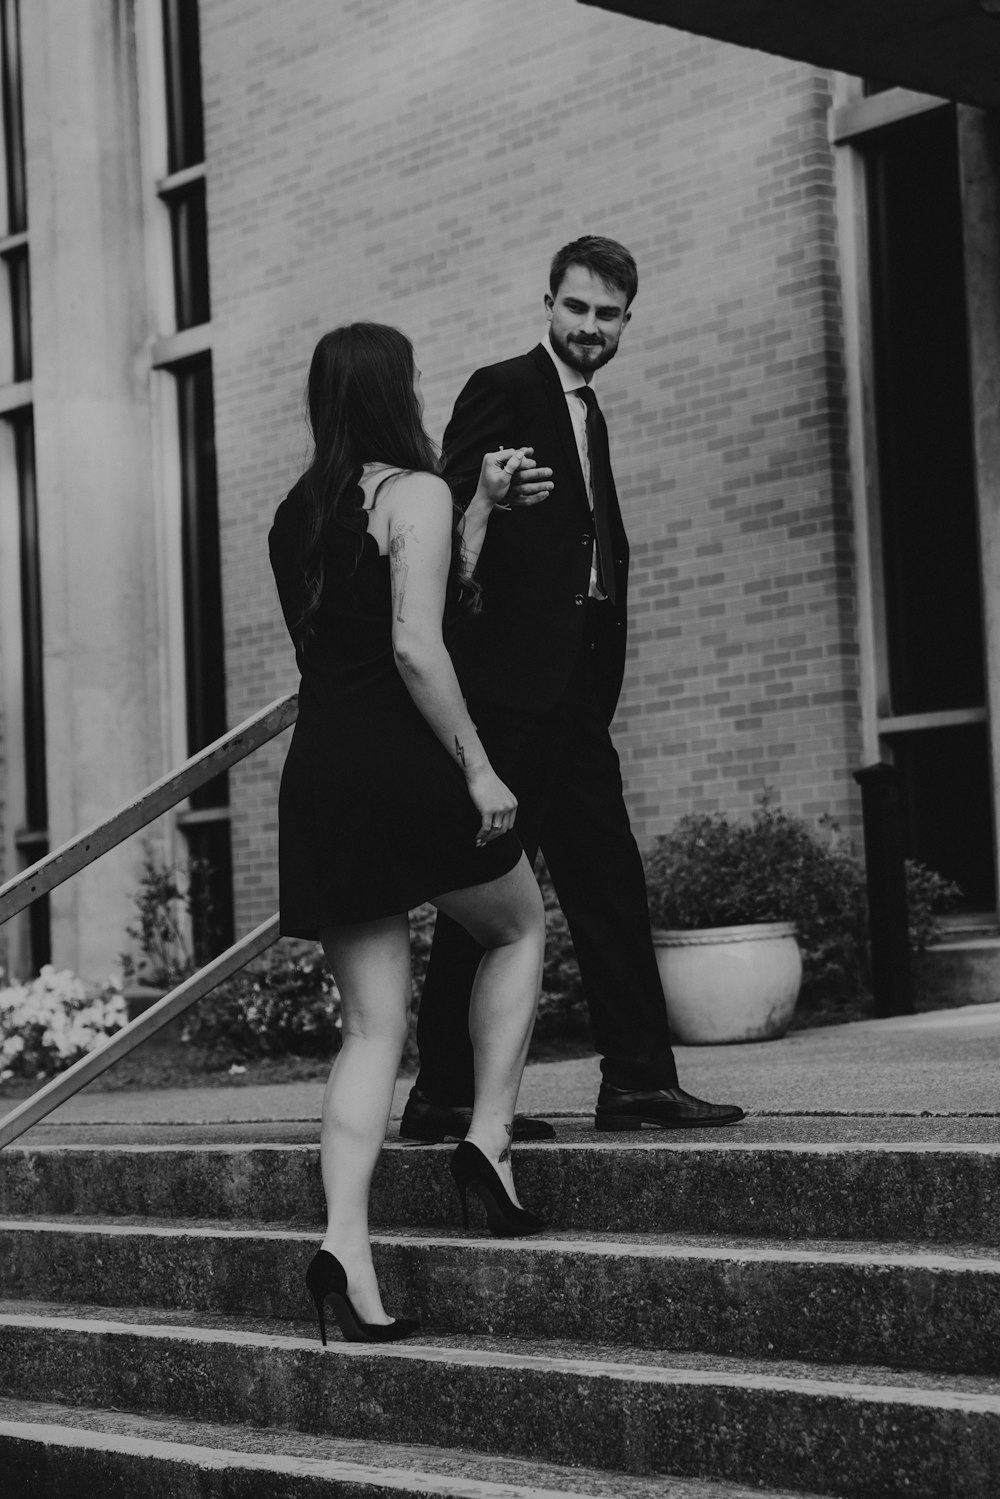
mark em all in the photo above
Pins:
pixel 495 803
pixel 509 476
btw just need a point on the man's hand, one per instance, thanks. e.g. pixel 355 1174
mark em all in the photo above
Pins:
pixel 508 480
pixel 530 485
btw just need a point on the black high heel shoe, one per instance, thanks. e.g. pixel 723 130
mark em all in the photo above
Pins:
pixel 325 1277
pixel 470 1168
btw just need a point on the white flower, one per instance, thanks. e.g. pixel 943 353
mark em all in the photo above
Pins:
pixel 55 1019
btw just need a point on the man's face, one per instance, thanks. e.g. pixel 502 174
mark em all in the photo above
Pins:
pixel 587 318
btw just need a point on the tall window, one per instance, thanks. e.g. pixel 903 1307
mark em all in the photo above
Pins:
pixel 929 670
pixel 184 356
pixel 183 189
pixel 20 563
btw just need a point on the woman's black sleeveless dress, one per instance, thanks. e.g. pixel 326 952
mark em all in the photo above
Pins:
pixel 373 815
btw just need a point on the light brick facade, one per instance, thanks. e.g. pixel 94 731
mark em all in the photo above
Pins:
pixel 418 163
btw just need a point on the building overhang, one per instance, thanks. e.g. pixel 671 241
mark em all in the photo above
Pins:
pixel 946 47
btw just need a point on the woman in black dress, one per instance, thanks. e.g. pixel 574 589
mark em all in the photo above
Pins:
pixel 387 797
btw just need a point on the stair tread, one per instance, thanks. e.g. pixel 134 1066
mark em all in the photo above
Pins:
pixel 460 1471
pixel 657 1244
pixel 573 1131
pixel 622 1361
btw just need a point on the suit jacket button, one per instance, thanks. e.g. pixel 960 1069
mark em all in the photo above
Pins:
pixel 578 599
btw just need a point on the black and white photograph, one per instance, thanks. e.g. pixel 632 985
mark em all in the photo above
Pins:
pixel 499 778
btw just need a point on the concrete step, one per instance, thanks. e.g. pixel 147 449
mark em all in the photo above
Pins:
pixel 910 1188
pixel 962 971
pixel 912 1307
pixel 50 1451
pixel 844 1430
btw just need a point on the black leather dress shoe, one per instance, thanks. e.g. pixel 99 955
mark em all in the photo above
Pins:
pixel 433 1122
pixel 670 1108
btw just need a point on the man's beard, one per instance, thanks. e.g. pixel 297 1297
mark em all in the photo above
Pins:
pixel 570 353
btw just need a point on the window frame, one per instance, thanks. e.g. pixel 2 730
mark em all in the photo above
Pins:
pixel 27 938
pixel 173 347
pixel 853 118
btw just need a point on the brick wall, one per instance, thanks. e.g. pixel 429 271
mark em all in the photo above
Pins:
pixel 417 161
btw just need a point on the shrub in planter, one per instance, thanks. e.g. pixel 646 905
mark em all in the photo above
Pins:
pixel 713 870
pixel 52 1021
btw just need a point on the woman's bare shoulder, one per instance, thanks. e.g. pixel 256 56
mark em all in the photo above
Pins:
pixel 416 492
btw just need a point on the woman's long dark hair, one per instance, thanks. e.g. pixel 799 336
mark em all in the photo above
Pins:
pixel 363 409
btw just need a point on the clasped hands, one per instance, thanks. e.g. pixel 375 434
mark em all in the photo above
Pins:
pixel 512 480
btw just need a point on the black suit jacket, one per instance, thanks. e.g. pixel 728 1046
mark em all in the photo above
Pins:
pixel 534 566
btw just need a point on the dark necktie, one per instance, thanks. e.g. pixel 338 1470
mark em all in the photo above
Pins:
pixel 600 483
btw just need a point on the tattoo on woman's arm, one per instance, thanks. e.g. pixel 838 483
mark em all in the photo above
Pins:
pixel 459 750
pixel 400 568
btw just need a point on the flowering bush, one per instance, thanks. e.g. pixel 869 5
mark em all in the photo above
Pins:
pixel 53 1020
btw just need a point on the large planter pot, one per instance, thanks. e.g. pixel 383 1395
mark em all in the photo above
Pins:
pixel 729 983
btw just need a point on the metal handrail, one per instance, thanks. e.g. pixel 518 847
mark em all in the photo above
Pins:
pixel 122 1043
pixel 82 850
pixel 163 794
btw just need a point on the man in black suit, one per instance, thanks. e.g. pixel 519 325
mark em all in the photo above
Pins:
pixel 542 670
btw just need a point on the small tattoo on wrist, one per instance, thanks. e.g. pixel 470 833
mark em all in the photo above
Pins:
pixel 459 750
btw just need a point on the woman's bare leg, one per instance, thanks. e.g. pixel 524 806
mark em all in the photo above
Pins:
pixel 506 917
pixel 371 964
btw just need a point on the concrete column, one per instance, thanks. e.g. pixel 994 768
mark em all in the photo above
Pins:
pixel 979 155
pixel 92 437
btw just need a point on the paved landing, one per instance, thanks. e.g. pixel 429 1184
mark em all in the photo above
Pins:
pixel 945 1064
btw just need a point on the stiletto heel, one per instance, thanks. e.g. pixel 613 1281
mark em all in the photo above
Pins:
pixel 321 1314
pixel 470 1168
pixel 326 1277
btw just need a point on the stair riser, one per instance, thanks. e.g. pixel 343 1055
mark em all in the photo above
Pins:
pixel 945 1196
pixel 35 1470
pixel 797 1437
pixel 913 1317
pixel 35 1467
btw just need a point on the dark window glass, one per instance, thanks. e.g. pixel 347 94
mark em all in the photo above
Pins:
pixel 189 232
pixel 182 50
pixel 923 412
pixel 949 811
pixel 19 284
pixel 202 572
pixel 33 842
pixel 211 902
pixel 13 116
pixel 31 627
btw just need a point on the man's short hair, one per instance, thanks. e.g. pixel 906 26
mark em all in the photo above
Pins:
pixel 604 258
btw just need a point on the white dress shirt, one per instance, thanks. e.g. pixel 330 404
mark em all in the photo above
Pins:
pixel 571 381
